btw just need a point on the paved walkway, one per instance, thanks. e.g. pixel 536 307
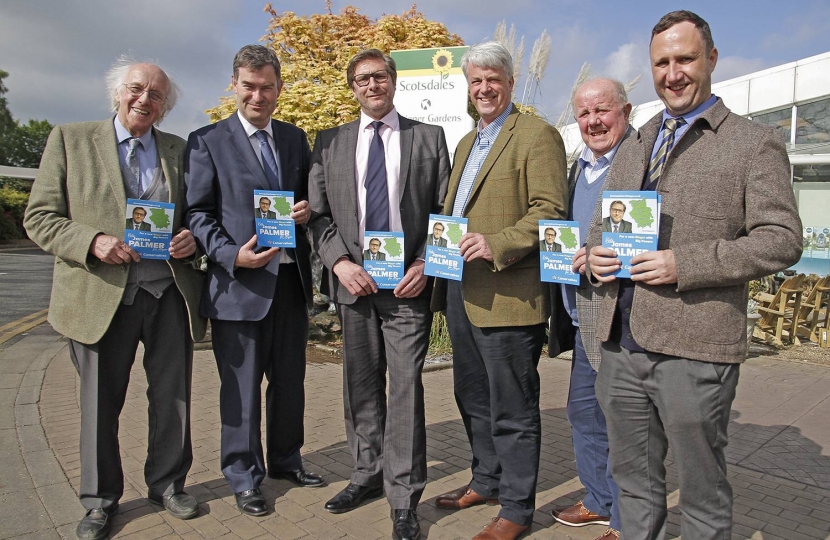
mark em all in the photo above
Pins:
pixel 779 456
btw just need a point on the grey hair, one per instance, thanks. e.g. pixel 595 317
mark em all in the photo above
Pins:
pixel 618 89
pixel 115 76
pixel 490 54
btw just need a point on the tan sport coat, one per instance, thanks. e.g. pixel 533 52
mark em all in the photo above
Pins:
pixel 78 194
pixel 728 215
pixel 522 181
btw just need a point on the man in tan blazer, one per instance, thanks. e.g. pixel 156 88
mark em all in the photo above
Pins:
pixel 509 173
pixel 106 298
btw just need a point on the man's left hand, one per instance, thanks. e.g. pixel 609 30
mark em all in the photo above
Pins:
pixel 182 245
pixel 474 246
pixel 654 267
pixel 413 281
pixel 301 212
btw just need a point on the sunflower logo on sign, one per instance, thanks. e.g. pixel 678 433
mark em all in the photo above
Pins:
pixel 442 61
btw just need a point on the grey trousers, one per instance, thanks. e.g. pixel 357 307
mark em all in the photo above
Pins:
pixel 104 368
pixel 386 435
pixel 653 402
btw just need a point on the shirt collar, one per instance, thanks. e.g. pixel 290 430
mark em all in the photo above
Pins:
pixel 492 129
pixel 586 158
pixel 121 134
pixel 250 129
pixel 692 115
pixel 391 119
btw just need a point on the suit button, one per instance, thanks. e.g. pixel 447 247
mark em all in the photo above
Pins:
pixel 628 335
pixel 628 310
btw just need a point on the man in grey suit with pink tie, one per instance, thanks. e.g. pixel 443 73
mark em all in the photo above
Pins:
pixel 382 172
pixel 256 298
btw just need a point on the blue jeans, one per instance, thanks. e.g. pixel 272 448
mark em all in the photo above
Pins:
pixel 590 438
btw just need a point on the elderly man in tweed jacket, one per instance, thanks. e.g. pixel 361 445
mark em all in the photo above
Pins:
pixel 674 334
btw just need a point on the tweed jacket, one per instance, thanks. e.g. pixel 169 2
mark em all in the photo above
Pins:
pixel 424 170
pixel 78 194
pixel 728 215
pixel 521 182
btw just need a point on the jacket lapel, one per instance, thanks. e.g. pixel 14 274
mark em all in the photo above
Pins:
pixel 238 140
pixel 462 154
pixel 169 164
pixel 407 136
pixel 344 154
pixel 106 149
pixel 499 145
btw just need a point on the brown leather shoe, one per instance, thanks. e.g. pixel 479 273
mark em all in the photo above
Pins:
pixel 501 529
pixel 579 516
pixel 463 497
pixel 610 534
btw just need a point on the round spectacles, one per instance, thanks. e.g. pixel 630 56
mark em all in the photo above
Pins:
pixel 136 90
pixel 379 76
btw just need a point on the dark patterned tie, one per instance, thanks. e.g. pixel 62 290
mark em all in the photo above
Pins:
pixel 377 193
pixel 132 164
pixel 655 168
pixel 268 161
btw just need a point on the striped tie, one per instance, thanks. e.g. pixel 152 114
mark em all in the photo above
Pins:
pixel 655 168
pixel 132 164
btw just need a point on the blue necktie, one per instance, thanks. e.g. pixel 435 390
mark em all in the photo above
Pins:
pixel 268 161
pixel 377 193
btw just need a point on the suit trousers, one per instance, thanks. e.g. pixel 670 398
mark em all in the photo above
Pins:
pixel 245 351
pixel 386 435
pixel 104 369
pixel 590 438
pixel 497 391
pixel 653 402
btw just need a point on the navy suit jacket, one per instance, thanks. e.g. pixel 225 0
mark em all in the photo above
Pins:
pixel 221 174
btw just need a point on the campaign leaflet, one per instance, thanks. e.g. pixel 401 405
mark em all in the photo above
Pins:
pixel 821 243
pixel 558 242
pixel 149 228
pixel 383 257
pixel 630 224
pixel 443 258
pixel 273 226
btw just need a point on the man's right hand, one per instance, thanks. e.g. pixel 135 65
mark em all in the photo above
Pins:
pixel 602 262
pixel 112 250
pixel 352 276
pixel 248 258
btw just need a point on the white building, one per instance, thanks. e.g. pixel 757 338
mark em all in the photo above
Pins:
pixel 793 98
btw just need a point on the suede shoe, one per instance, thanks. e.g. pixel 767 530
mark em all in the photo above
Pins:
pixel 96 523
pixel 579 516
pixel 405 525
pixel 251 502
pixel 352 497
pixel 179 505
pixel 610 534
pixel 463 497
pixel 299 477
pixel 501 529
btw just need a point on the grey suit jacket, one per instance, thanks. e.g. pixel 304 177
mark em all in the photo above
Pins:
pixel 78 194
pixel 221 173
pixel 425 169
pixel 728 215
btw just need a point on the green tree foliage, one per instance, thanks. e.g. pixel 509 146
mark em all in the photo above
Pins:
pixel 21 145
pixel 314 52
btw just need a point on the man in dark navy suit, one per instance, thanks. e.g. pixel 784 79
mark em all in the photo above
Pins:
pixel 256 299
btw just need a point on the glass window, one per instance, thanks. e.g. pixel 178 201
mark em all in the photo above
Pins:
pixel 813 123
pixel 781 120
pixel 812 193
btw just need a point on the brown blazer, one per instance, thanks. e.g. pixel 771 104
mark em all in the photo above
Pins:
pixel 728 215
pixel 79 193
pixel 522 181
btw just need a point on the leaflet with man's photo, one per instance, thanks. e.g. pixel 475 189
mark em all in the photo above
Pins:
pixel 558 243
pixel 630 224
pixel 443 258
pixel 383 257
pixel 149 228
pixel 274 227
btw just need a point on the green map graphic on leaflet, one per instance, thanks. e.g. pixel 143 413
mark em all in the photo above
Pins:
pixel 568 238
pixel 641 213
pixel 454 233
pixel 159 218
pixel 392 246
pixel 281 206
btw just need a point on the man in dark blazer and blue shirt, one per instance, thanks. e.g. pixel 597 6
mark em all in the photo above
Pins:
pixel 256 299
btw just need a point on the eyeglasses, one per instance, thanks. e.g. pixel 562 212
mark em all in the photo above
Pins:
pixel 379 76
pixel 136 90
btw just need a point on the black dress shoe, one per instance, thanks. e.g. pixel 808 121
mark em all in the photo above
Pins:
pixel 351 497
pixel 179 505
pixel 96 523
pixel 405 525
pixel 300 477
pixel 251 502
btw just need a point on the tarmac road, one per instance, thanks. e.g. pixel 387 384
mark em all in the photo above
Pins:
pixel 25 285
